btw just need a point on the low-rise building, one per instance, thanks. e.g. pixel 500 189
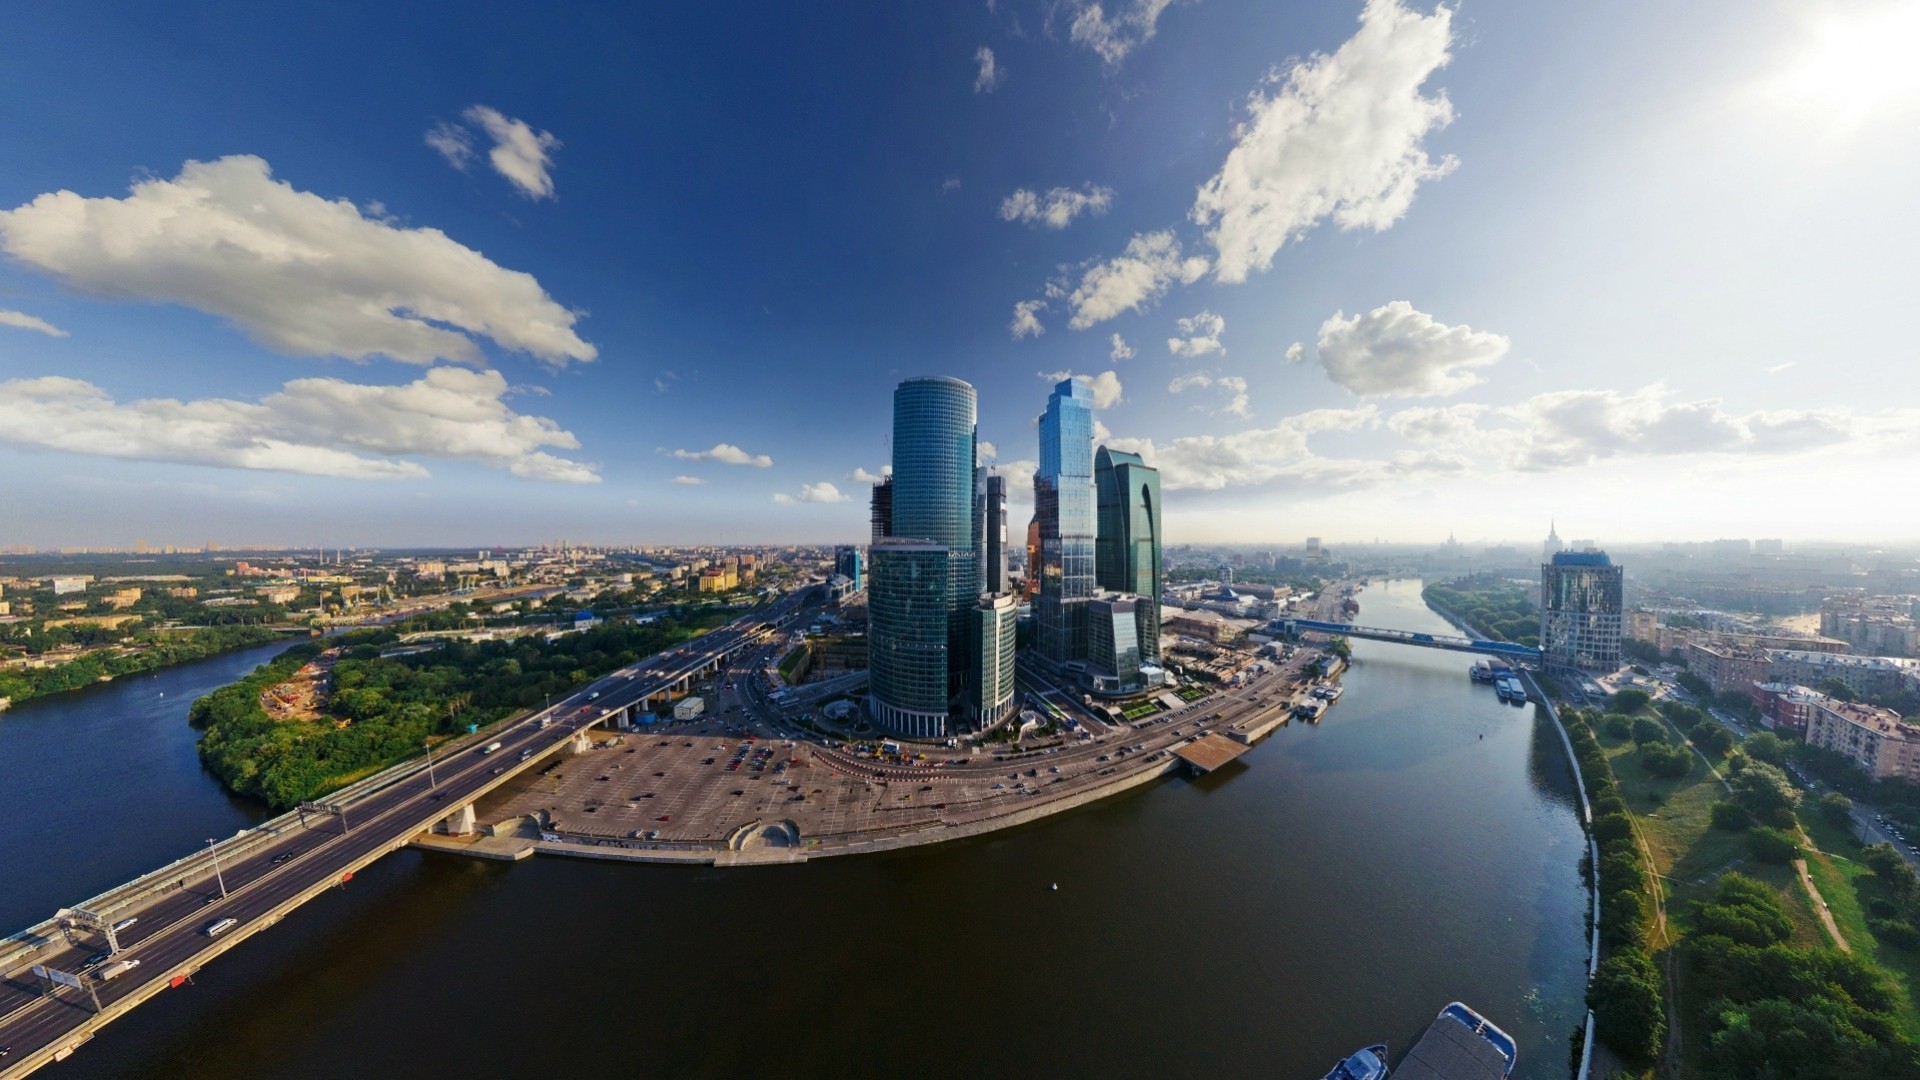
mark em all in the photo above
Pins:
pixel 689 707
pixel 1785 707
pixel 1729 667
pixel 1876 739
pixel 1866 676
pixel 122 599
pixel 63 586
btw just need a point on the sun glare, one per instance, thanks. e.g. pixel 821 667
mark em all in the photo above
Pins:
pixel 1857 59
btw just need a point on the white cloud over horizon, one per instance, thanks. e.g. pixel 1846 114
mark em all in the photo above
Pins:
pixel 1105 386
pixel 1202 335
pixel 314 426
pixel 1397 351
pixel 822 492
pixel 1236 387
pixel 726 454
pixel 299 274
pixel 23 321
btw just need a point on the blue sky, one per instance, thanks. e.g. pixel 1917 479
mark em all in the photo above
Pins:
pixel 476 274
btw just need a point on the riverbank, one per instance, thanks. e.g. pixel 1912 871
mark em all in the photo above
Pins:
pixel 36 679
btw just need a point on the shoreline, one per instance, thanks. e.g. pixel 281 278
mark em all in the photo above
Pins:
pixel 279 636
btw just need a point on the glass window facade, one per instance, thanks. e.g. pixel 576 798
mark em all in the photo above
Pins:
pixel 907 641
pixel 1582 594
pixel 993 698
pixel 1127 552
pixel 1064 507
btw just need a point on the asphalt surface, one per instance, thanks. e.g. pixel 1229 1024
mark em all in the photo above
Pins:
pixel 170 928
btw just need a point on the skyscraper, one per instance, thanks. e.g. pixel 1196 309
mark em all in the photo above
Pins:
pixel 1127 550
pixel 848 564
pixel 931 507
pixel 882 510
pixel 1581 598
pixel 1064 505
pixel 996 535
pixel 1553 546
pixel 991 698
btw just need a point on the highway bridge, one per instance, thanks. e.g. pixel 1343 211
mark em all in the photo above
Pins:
pixel 1524 654
pixel 55 990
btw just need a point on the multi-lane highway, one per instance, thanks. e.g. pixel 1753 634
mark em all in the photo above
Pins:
pixel 165 929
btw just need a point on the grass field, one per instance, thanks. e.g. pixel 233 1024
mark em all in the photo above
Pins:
pixel 1849 887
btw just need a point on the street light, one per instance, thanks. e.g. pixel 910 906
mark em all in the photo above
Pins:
pixel 217 875
pixel 431 782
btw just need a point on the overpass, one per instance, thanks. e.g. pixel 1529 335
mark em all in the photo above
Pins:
pixel 1524 654
pixel 52 993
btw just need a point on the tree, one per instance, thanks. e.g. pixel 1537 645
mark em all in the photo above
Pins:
pixel 1647 731
pixel 1836 807
pixel 1766 793
pixel 1835 688
pixel 1713 739
pixel 1629 701
pixel 1617 726
pixel 1731 816
pixel 1766 746
pixel 1775 846
pixel 1625 998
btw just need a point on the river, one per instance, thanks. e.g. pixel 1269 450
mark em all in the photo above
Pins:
pixel 1335 887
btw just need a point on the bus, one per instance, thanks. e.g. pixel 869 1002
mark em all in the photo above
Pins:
pixel 220 926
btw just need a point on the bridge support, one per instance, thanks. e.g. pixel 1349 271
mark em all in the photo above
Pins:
pixel 581 743
pixel 458 823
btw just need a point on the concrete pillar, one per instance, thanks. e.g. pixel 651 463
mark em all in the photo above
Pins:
pixel 581 743
pixel 458 823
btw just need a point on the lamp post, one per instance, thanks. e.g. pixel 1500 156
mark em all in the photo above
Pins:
pixel 212 845
pixel 431 782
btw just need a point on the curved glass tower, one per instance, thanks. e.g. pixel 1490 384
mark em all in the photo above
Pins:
pixel 935 432
pixel 1127 555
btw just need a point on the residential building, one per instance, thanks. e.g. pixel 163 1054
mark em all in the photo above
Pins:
pixel 1581 601
pixel 1063 500
pixel 122 599
pixel 1876 739
pixel 1127 545
pixel 1865 676
pixel 1785 707
pixel 63 586
pixel 1882 625
pixel 993 697
pixel 1729 667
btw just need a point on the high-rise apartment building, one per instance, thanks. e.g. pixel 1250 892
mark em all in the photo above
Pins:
pixel 1127 547
pixel 1581 600
pixel 1063 501
pixel 931 507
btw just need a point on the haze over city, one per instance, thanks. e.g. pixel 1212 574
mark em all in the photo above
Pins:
pixel 1354 270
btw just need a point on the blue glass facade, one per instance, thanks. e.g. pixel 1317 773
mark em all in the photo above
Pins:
pixel 1127 554
pixel 1063 498
pixel 933 505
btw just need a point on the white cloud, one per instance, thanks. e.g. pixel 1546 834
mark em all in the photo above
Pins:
pixel 1772 369
pixel 862 476
pixel 1151 262
pixel 1131 25
pixel 690 481
pixel 453 142
pixel 1121 350
pixel 25 321
pixel 726 454
pixel 300 274
pixel 950 185
pixel 1296 352
pixel 519 153
pixel 1340 137
pixel 1396 351
pixel 1105 386
pixel 1236 387
pixel 1019 476
pixel 1026 321
pixel 1203 335
pixel 1058 207
pixel 990 75
pixel 318 427
pixel 1101 433
pixel 988 451
pixel 822 492
pixel 1260 456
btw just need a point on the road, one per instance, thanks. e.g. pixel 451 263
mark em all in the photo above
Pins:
pixel 169 936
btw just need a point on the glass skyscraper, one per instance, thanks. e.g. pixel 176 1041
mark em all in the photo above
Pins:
pixel 1063 502
pixel 1127 553
pixel 1581 598
pixel 933 506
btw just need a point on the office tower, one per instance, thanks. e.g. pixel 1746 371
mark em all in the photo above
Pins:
pixel 1113 644
pixel 848 564
pixel 931 506
pixel 882 510
pixel 995 534
pixel 1127 550
pixel 991 698
pixel 1031 572
pixel 1581 597
pixel 907 636
pixel 1063 504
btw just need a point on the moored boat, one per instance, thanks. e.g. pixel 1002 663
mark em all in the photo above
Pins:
pixel 1460 1044
pixel 1368 1063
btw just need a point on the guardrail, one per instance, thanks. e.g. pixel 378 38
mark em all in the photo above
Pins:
pixel 1585 1070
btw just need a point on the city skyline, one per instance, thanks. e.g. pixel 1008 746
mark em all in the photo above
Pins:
pixel 1366 270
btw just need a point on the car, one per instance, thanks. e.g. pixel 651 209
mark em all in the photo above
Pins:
pixel 664 817
pixel 283 857
pixel 124 923
pixel 94 961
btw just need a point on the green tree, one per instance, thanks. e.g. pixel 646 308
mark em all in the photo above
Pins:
pixel 1625 998
pixel 1731 816
pixel 1766 793
pixel 1766 746
pixel 1835 807
pixel 1776 846
pixel 1646 731
pixel 1713 739
pixel 1629 701
pixel 1834 688
pixel 1617 726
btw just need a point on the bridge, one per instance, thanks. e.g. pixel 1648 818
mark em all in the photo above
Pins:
pixel 1524 654
pixel 66 978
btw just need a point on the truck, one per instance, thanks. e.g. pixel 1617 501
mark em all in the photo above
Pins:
pixel 545 721
pixel 115 970
pixel 219 926
pixel 490 748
